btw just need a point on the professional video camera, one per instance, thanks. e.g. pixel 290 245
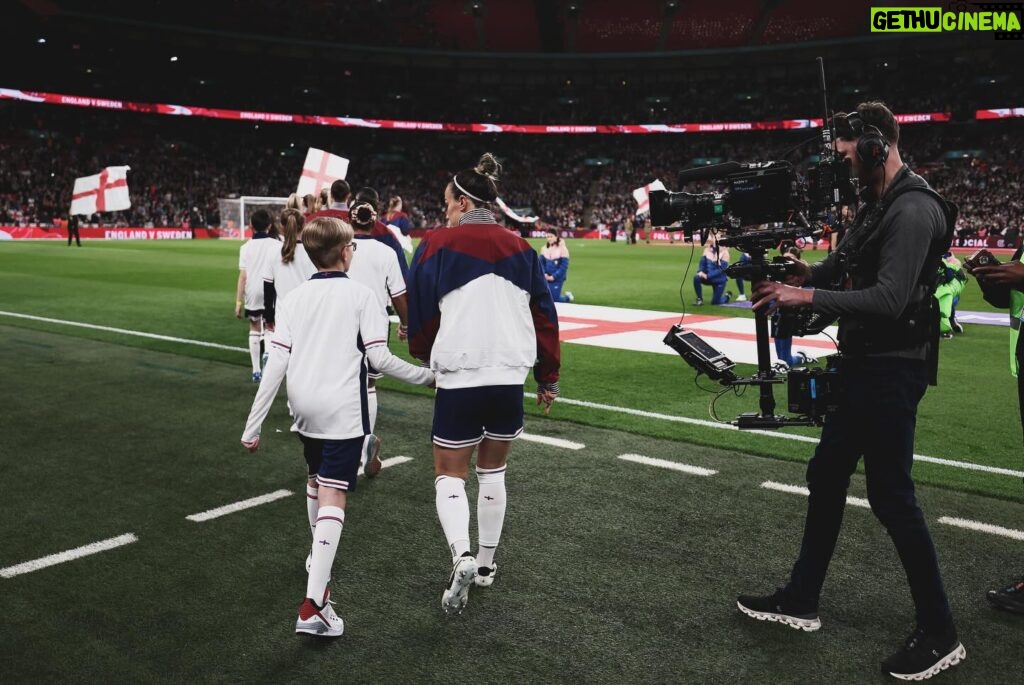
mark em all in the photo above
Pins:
pixel 761 205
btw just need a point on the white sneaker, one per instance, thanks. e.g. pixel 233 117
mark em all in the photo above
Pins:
pixel 741 298
pixel 456 595
pixel 319 621
pixel 485 575
pixel 569 295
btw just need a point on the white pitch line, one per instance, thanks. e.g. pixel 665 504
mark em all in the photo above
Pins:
pixel 238 506
pixel 564 400
pixel 983 527
pixel 123 331
pixel 70 555
pixel 665 464
pixel 798 490
pixel 772 434
pixel 391 461
pixel 554 442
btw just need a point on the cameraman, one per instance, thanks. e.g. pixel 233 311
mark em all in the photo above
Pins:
pixel 883 272
pixel 1003 286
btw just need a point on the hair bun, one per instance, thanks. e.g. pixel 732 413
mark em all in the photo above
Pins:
pixel 488 166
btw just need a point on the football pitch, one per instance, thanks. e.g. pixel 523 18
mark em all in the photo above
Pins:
pixel 628 537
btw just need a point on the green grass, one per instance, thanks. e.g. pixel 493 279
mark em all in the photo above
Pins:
pixel 186 289
pixel 611 572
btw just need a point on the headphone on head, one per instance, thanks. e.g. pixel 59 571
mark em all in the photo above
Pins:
pixel 872 147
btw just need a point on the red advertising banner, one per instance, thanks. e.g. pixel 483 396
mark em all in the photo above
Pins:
pixel 93 233
pixel 1005 113
pixel 382 124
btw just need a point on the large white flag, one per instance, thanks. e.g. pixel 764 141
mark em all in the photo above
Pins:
pixel 107 191
pixel 510 213
pixel 643 196
pixel 320 171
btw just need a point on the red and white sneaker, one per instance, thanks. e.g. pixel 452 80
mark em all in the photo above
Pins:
pixel 317 620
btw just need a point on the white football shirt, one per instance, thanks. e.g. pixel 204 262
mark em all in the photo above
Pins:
pixel 256 257
pixel 375 265
pixel 326 329
pixel 287 277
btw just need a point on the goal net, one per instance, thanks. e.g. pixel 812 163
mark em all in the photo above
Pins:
pixel 235 213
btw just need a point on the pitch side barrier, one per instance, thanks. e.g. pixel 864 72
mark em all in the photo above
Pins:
pixel 41 98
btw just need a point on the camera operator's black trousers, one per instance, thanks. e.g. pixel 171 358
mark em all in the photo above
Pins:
pixel 876 422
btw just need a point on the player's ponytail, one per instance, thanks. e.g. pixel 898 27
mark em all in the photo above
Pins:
pixel 479 184
pixel 363 211
pixel 291 228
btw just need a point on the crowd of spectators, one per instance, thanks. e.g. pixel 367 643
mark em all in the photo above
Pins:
pixel 180 168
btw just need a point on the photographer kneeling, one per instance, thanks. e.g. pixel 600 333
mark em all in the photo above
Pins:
pixel 882 279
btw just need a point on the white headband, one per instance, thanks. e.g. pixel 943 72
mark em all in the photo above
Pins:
pixel 465 192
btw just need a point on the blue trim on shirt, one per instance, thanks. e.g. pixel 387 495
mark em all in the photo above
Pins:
pixel 328 274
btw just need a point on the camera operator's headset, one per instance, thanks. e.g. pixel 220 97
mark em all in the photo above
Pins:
pixel 872 147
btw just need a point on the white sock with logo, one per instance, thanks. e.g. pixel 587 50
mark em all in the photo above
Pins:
pixel 254 349
pixel 329 523
pixel 372 396
pixel 312 506
pixel 490 512
pixel 453 512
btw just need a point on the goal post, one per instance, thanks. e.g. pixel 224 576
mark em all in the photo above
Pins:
pixel 235 213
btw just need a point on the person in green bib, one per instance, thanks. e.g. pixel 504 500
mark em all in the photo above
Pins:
pixel 952 279
pixel 1003 286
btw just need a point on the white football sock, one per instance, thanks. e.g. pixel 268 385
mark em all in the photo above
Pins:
pixel 254 349
pixel 453 512
pixel 325 544
pixel 372 396
pixel 312 507
pixel 490 512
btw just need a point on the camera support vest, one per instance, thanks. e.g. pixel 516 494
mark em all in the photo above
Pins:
pixel 919 322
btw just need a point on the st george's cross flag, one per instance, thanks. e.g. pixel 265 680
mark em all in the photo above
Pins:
pixel 643 196
pixel 106 191
pixel 320 171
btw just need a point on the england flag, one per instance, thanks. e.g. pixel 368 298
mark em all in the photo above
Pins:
pixel 643 196
pixel 106 191
pixel 320 171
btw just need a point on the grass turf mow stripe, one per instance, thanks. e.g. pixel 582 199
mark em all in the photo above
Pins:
pixel 579 403
pixel 238 506
pixel 665 464
pixel 554 442
pixel 69 555
pixel 798 490
pixel 1011 533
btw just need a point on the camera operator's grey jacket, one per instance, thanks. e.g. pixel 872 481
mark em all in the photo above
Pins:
pixel 908 231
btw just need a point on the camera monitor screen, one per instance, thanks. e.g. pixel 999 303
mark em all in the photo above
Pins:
pixel 699 346
pixel 760 198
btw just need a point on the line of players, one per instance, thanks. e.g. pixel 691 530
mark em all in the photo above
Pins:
pixel 478 314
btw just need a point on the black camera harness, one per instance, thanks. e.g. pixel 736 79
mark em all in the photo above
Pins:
pixel 860 254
